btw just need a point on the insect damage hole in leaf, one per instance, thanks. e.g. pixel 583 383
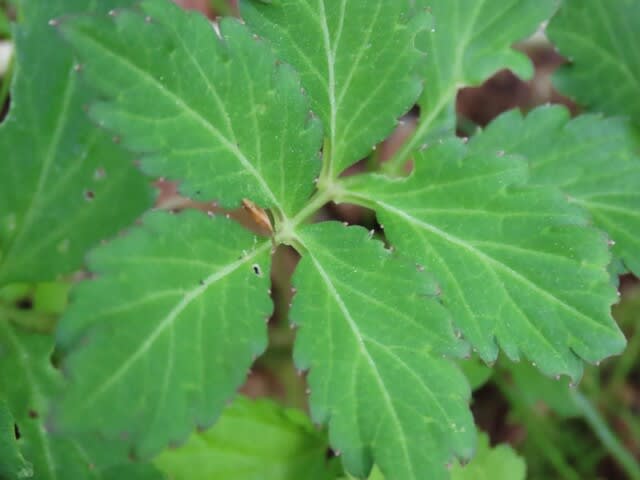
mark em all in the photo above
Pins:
pixel 257 270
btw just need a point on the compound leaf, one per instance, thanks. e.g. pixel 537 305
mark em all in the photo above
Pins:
pixel 594 160
pixel 161 338
pixel 357 60
pixel 602 40
pixel 252 440
pixel 65 184
pixel 26 357
pixel 518 267
pixel 470 41
pixel 218 113
pixel 498 463
pixel 374 336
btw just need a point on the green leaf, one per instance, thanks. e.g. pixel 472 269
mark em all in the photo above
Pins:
pixel 5 25
pixel 26 357
pixel 46 297
pixel 498 463
pixel 45 302
pixel 12 463
pixel 357 61
pixel 476 371
pixel 601 38
pixel 592 159
pixel 64 184
pixel 220 114
pixel 252 440
pixel 165 333
pixel 470 41
pixel 375 475
pixel 374 335
pixel 51 297
pixel 518 267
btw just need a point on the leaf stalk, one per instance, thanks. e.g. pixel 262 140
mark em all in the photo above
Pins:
pixel 395 165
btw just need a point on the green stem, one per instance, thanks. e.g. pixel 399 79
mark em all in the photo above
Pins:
pixel 327 189
pixel 286 229
pixel 535 432
pixel 631 421
pixel 606 436
pixel 395 165
pixel 626 363
pixel 326 173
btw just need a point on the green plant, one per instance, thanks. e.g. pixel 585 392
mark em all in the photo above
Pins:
pixel 504 242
